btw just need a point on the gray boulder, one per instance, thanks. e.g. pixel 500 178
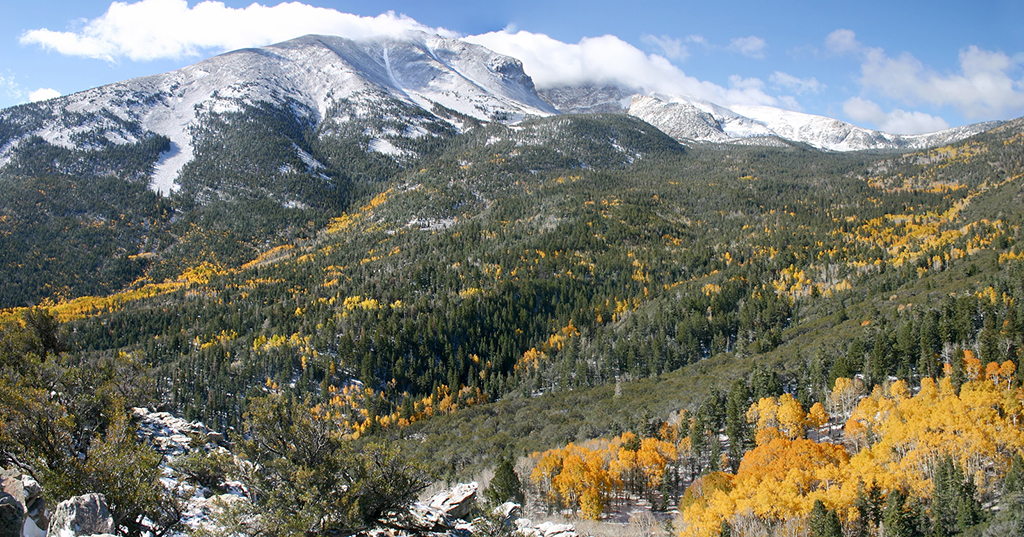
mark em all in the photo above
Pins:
pixel 82 515
pixel 12 516
pixel 29 494
pixel 457 502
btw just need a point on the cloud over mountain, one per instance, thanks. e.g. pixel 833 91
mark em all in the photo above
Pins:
pixel 155 29
pixel 610 60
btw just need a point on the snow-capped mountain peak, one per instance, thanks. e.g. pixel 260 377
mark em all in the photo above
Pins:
pixel 309 75
pixel 691 119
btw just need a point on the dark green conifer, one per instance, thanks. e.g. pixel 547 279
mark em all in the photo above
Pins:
pixel 505 486
pixel 824 522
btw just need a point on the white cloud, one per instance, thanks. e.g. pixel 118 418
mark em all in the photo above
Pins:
pixel 790 103
pixel 43 94
pixel 985 86
pixel 752 47
pixel 797 85
pixel 610 60
pixel 10 87
pixel 698 39
pixel 670 47
pixel 897 121
pixel 842 41
pixel 154 29
pixel 989 83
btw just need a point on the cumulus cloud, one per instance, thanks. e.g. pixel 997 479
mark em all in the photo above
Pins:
pixel 797 85
pixel 43 94
pixel 989 83
pixel 670 47
pixel 610 60
pixel 985 86
pixel 155 29
pixel 897 121
pixel 752 47
pixel 842 41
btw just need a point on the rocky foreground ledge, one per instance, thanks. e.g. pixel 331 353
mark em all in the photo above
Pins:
pixel 25 513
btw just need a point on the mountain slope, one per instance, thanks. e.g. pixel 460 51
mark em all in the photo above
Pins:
pixel 689 119
pixel 835 135
pixel 308 77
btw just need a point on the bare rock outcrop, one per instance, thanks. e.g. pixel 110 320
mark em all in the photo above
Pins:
pixel 12 516
pixel 29 495
pixel 87 514
pixel 456 502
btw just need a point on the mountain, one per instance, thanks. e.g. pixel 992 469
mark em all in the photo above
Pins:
pixel 834 135
pixel 324 109
pixel 689 119
pixel 322 81
pixel 588 99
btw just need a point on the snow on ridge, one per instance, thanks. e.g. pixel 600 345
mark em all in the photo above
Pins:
pixel 689 118
pixel 311 72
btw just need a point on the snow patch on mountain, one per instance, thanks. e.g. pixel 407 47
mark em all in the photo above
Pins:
pixel 690 119
pixel 383 146
pixel 310 75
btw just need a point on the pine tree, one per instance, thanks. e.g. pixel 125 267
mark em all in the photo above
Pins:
pixel 1014 480
pixel 505 486
pixel 824 522
pixel 736 423
pixel 944 498
pixel 968 509
pixel 958 375
pixel 898 520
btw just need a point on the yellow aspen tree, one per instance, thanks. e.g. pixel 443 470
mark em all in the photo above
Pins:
pixel 992 373
pixel 791 416
pixel 817 417
pixel 1006 371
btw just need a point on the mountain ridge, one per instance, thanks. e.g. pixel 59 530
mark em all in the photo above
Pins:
pixel 689 119
pixel 309 75
pixel 317 77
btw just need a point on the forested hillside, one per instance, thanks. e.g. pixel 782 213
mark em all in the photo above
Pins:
pixel 694 320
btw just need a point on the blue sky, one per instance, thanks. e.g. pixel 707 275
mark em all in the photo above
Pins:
pixel 897 66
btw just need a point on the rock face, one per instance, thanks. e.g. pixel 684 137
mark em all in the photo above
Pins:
pixel 456 502
pixel 12 516
pixel 82 515
pixel 443 511
pixel 27 493
pixel 589 99
pixel 446 512
pixel 170 435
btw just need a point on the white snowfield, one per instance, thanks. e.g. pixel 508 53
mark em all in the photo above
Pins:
pixel 311 75
pixel 690 119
